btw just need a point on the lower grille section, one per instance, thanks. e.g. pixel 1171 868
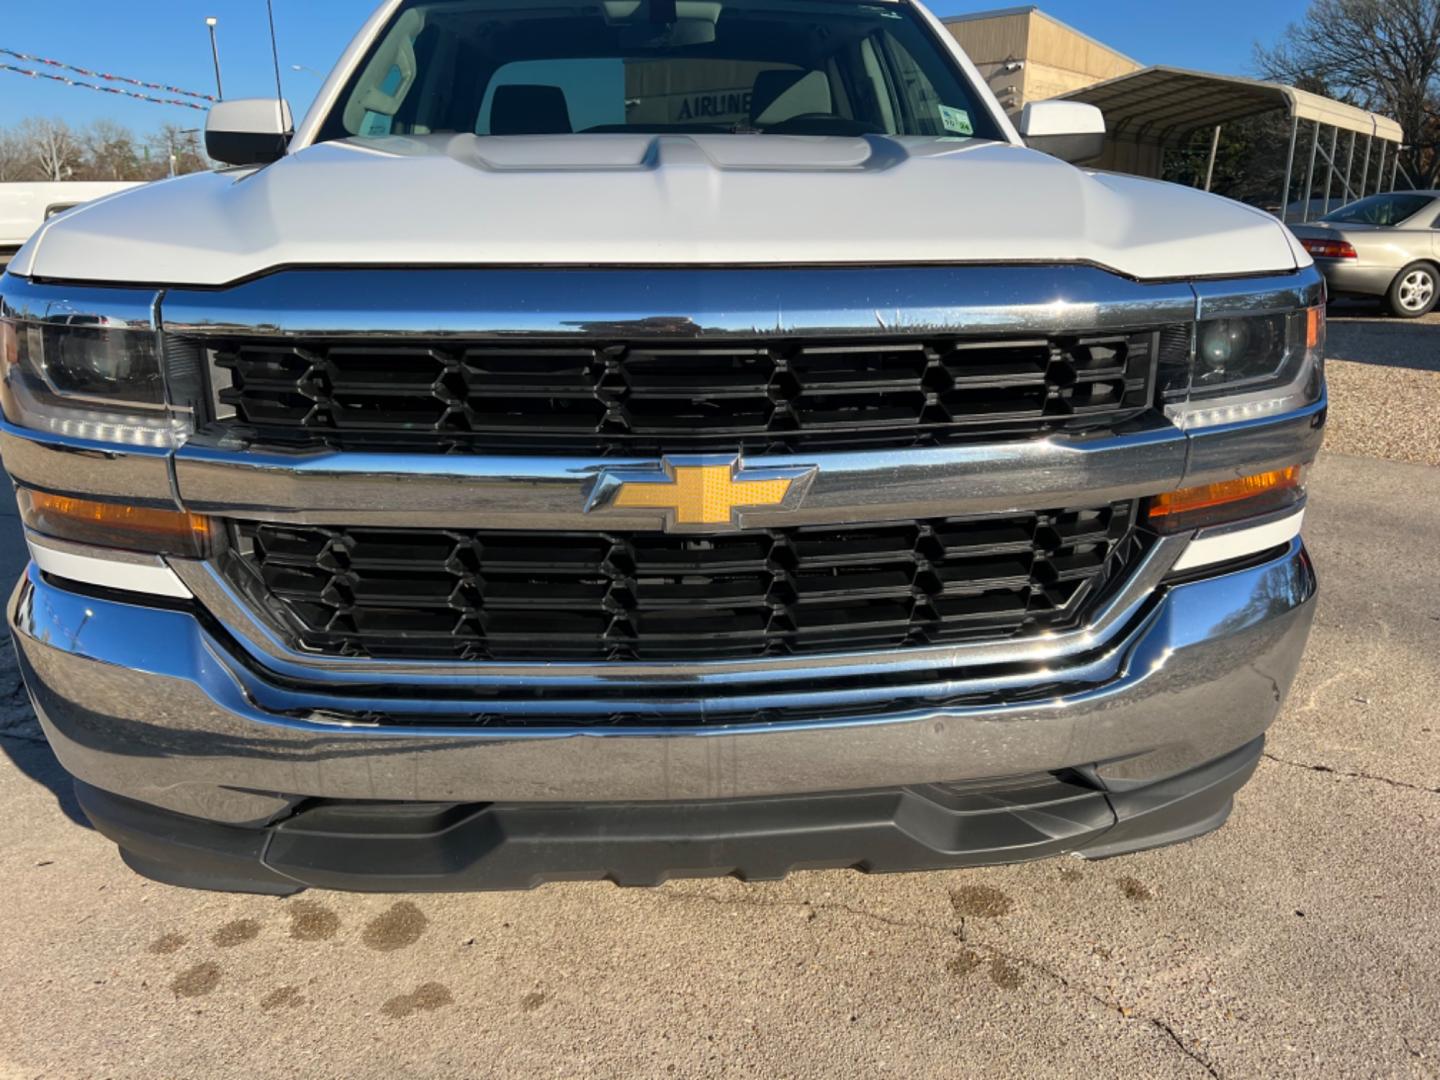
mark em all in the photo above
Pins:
pixel 483 595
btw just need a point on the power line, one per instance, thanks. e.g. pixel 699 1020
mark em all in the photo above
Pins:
pixel 102 75
pixel 101 89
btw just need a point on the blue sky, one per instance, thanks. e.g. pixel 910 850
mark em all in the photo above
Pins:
pixel 165 41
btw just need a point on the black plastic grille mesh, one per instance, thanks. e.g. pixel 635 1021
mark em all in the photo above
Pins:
pixel 629 397
pixel 412 593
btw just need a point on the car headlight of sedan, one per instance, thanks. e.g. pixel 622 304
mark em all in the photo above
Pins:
pixel 1248 367
pixel 87 371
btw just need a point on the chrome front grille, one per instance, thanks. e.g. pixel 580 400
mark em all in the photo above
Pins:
pixel 485 595
pixel 612 395
pixel 1002 419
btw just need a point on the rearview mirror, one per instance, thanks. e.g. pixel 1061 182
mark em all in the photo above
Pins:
pixel 663 23
pixel 248 131
pixel 1069 130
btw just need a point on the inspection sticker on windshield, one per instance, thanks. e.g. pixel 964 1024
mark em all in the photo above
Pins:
pixel 956 120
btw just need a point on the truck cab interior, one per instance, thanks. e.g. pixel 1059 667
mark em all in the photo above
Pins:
pixel 785 67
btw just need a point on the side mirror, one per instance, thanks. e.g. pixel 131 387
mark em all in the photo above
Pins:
pixel 1069 130
pixel 248 131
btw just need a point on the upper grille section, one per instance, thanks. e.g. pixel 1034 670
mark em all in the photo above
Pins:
pixel 771 394
pixel 479 595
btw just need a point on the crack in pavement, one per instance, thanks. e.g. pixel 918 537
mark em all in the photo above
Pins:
pixel 1017 958
pixel 1353 775
pixel 1180 1043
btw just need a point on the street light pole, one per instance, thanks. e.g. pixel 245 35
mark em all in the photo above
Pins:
pixel 215 52
pixel 174 158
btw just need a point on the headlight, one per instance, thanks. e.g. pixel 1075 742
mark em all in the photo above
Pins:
pixel 86 369
pixel 1248 367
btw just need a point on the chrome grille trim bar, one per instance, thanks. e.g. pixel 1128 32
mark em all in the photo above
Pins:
pixel 543 492
pixel 272 646
pixel 678 303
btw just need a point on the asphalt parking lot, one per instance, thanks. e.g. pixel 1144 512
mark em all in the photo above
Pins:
pixel 1302 939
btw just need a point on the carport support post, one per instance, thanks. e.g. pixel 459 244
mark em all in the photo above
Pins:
pixel 1395 169
pixel 1365 172
pixel 1214 150
pixel 1289 169
pixel 1380 172
pixel 1349 166
pixel 1310 176
pixel 1330 173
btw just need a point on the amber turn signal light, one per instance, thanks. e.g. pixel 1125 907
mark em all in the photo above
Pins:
pixel 114 525
pixel 1314 327
pixel 1226 500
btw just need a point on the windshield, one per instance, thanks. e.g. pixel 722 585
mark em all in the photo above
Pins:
pixel 1380 210
pixel 791 67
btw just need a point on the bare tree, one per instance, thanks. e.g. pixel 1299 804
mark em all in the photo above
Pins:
pixel 110 152
pixel 1383 55
pixel 41 149
pixel 14 157
pixel 53 148
pixel 179 146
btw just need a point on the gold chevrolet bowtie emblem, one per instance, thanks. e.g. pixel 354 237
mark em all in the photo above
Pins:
pixel 698 493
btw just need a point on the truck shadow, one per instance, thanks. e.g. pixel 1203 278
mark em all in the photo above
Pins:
pixel 35 760
pixel 21 739
pixel 1364 334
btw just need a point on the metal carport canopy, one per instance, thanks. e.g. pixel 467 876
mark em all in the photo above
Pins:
pixel 1159 104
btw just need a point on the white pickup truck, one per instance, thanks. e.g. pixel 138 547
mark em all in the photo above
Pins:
pixel 25 206
pixel 655 437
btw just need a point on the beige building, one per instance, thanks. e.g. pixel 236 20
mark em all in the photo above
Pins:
pixel 1029 56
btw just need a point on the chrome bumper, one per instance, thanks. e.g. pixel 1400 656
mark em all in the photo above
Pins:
pixel 149 702
pixel 200 705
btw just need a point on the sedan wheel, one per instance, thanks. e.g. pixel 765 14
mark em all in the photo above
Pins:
pixel 1415 291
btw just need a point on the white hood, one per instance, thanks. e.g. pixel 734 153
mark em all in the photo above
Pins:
pixel 654 200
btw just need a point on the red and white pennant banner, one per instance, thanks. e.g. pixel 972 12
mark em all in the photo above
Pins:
pixel 102 89
pixel 107 78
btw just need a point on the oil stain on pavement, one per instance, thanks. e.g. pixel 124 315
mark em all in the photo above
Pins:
pixel 166 944
pixel 235 933
pixel 1003 973
pixel 1135 890
pixel 969 960
pixel 981 901
pixel 426 996
pixel 397 928
pixel 312 921
pixel 197 981
pixel 284 997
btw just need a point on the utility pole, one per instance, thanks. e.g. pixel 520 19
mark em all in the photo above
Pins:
pixel 215 52
pixel 175 158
